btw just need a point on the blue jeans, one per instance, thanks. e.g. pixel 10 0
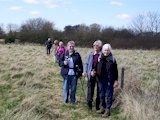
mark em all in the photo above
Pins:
pixel 106 92
pixel 69 88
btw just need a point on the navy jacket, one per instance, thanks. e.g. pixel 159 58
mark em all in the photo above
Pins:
pixel 78 66
pixel 107 69
pixel 49 44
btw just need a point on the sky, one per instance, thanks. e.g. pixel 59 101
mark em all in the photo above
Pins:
pixel 115 13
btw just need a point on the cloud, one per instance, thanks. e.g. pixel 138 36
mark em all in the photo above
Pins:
pixel 123 16
pixel 16 8
pixel 65 1
pixel 6 0
pixel 35 12
pixel 117 3
pixel 32 1
pixel 48 3
pixel 52 5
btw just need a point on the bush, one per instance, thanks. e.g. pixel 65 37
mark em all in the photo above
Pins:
pixel 9 40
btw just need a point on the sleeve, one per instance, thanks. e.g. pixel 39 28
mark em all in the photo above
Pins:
pixel 115 70
pixel 80 65
pixel 61 61
pixel 86 64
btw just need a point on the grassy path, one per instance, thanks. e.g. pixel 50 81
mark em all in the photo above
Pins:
pixel 31 86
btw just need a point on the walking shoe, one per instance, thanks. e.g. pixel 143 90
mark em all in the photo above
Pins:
pixel 90 106
pixel 106 114
pixel 102 110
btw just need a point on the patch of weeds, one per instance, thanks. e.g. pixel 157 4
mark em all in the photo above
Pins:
pixel 76 116
pixel 4 88
pixel 67 107
pixel 6 105
pixel 15 102
pixel 149 76
pixel 53 74
pixel 28 73
pixel 6 77
pixel 18 75
pixel 118 118
pixel 46 112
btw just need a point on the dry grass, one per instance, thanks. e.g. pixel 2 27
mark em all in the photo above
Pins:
pixel 31 87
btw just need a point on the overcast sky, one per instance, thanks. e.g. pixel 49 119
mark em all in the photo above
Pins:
pixel 116 13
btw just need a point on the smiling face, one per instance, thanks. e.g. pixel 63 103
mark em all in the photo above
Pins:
pixel 106 51
pixel 70 47
pixel 96 48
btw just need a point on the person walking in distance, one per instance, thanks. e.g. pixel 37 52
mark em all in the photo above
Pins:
pixel 55 56
pixel 48 44
pixel 60 50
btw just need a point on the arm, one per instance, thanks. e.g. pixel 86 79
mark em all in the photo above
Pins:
pixel 61 61
pixel 116 75
pixel 86 64
pixel 115 71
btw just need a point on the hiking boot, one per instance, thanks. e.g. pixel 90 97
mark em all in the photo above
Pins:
pixel 106 114
pixel 102 110
pixel 90 106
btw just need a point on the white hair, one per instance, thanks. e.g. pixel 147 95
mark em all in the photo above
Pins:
pixel 60 43
pixel 98 42
pixel 107 46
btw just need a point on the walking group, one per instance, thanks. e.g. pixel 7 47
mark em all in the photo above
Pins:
pixel 100 69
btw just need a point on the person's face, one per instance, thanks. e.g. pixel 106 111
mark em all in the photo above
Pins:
pixel 106 52
pixel 60 45
pixel 49 39
pixel 96 47
pixel 70 47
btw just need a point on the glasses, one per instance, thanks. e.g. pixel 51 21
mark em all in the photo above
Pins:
pixel 95 45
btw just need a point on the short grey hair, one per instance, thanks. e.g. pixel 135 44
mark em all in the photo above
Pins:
pixel 107 46
pixel 98 42
pixel 71 42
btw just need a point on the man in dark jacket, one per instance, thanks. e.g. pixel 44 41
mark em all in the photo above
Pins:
pixel 48 46
pixel 71 69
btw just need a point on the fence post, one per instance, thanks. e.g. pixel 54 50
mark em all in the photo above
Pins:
pixel 122 78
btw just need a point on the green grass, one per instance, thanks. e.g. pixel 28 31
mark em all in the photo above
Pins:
pixel 31 84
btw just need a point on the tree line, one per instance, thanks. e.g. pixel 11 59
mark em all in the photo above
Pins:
pixel 143 33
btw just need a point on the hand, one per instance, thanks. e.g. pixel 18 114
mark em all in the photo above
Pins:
pixel 84 74
pixel 93 72
pixel 116 83
pixel 65 62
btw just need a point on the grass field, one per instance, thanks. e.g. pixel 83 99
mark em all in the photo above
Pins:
pixel 31 86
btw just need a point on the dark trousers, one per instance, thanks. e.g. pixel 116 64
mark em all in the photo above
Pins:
pixel 91 86
pixel 106 93
pixel 48 49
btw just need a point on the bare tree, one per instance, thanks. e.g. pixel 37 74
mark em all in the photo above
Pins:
pixel 36 30
pixel 139 24
pixel 12 27
pixel 153 22
pixel 2 32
